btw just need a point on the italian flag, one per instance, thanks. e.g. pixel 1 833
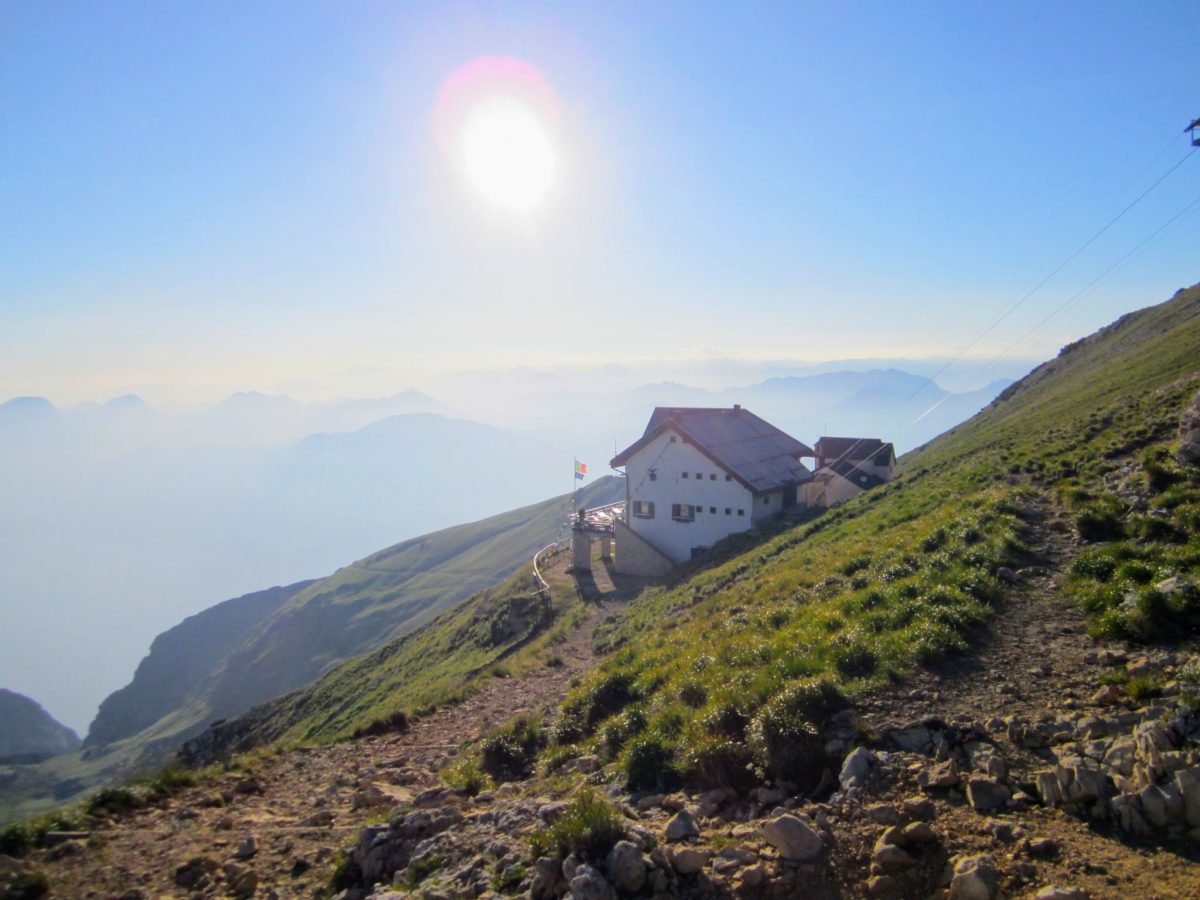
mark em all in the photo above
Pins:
pixel 580 469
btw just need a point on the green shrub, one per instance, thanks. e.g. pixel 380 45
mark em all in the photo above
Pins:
pixel 720 763
pixel 934 540
pixel 726 720
pixel 588 828
pixel 571 724
pixel 857 564
pixel 420 869
pixel 693 694
pixel 1159 476
pixel 1099 523
pixel 345 873
pixel 168 781
pixel 1153 528
pixel 509 752
pixel 113 802
pixel 466 777
pixel 785 736
pixel 1135 571
pixel 620 729
pixel 1094 565
pixel 650 765
pixel 384 724
pixel 852 657
pixel 609 697
pixel 1143 687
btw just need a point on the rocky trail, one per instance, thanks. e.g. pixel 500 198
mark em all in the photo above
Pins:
pixel 1022 769
pixel 276 830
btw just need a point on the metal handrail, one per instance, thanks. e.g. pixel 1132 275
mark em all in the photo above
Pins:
pixel 552 547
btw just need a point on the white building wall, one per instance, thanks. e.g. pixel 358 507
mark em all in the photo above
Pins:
pixel 830 489
pixel 712 493
pixel 770 504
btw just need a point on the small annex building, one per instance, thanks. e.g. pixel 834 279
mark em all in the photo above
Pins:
pixel 697 475
pixel 847 466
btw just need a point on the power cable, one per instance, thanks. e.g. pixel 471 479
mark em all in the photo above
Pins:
pixel 1037 287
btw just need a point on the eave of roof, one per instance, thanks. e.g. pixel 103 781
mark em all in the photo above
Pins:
pixel 668 419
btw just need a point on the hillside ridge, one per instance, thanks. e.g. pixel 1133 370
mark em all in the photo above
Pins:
pixel 974 681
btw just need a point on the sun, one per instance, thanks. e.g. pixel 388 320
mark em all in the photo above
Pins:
pixel 508 154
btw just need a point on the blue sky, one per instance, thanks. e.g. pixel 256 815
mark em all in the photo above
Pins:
pixel 200 198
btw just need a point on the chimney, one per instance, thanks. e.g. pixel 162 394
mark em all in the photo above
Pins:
pixel 737 406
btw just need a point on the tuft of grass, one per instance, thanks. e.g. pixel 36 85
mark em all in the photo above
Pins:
pixel 588 828
pixel 420 869
pixel 510 751
pixel 115 801
pixel 466 777
pixel 1143 687
pixel 650 764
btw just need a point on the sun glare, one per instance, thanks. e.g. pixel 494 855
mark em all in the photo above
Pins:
pixel 508 154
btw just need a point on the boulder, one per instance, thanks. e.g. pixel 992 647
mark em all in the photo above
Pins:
pixel 794 839
pixel 589 884
pixel 889 856
pixel 1188 783
pixel 247 847
pixel 626 867
pixel 987 794
pixel 1109 695
pixel 941 776
pixel 1162 805
pixel 974 878
pixel 917 833
pixel 688 860
pixel 856 769
pixel 681 827
pixel 912 738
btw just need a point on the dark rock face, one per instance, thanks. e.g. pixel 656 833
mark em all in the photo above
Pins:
pixel 28 733
pixel 179 660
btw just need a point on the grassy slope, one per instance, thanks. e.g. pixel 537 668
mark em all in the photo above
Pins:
pixel 359 607
pixel 435 665
pixel 713 679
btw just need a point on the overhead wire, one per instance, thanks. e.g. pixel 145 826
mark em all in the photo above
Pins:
pixel 1141 245
pixel 858 464
pixel 1062 265
pixel 1095 281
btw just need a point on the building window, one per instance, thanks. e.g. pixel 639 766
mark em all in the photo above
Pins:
pixel 712 477
pixel 741 512
pixel 672 439
pixel 729 478
pixel 699 510
pixel 766 501
pixel 643 509
pixel 728 511
pixel 699 476
pixel 712 510
pixel 685 474
pixel 683 512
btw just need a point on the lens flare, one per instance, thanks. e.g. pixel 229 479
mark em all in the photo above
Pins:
pixel 495 118
pixel 508 155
